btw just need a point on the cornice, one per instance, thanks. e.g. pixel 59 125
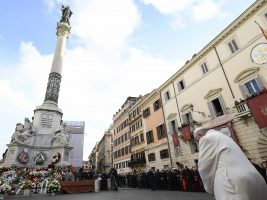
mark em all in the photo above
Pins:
pixel 247 14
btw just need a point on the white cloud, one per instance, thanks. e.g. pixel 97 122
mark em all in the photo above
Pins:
pixel 183 12
pixel 14 97
pixel 169 6
pixel 106 23
pixel 205 10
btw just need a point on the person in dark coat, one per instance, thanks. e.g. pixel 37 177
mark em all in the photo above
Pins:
pixel 151 178
pixel 103 182
pixel 157 179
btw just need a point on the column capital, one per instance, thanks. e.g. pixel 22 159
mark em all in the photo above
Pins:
pixel 63 29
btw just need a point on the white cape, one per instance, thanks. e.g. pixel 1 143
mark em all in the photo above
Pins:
pixel 225 170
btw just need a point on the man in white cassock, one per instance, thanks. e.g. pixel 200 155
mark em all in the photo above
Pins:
pixel 225 170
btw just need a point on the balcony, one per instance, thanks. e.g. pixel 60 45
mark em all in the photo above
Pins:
pixel 136 162
pixel 242 109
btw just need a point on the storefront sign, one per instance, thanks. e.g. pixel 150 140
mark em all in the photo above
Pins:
pixel 259 53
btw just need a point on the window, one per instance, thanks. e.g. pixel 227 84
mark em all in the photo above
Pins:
pixel 172 126
pixel 136 140
pixel 181 85
pixel 125 136
pixel 167 96
pixel 122 139
pixel 204 68
pixel 142 137
pixel 187 118
pixel 151 157
pixel 253 87
pixel 161 131
pixel 126 150
pixel 146 112
pixel 217 107
pixel 132 141
pixel 165 166
pixel 122 151
pixel 178 151
pixel 134 113
pixel 164 154
pixel 156 105
pixel 233 46
pixel 149 137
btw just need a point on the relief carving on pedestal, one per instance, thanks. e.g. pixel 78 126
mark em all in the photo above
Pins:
pixel 40 158
pixel 53 86
pixel 23 156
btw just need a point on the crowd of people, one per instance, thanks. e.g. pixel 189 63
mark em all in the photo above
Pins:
pixel 184 179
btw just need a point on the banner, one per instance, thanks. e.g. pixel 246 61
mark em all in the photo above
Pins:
pixel 175 139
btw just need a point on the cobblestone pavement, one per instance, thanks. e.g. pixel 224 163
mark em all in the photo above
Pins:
pixel 123 194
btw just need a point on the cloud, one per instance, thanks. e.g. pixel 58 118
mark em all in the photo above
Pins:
pixel 205 10
pixel 12 96
pixel 105 23
pixel 169 6
pixel 183 12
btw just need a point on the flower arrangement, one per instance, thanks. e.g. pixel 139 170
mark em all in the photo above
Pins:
pixel 5 188
pixel 27 184
pixel 57 176
pixel 34 173
pixel 54 187
pixel 9 176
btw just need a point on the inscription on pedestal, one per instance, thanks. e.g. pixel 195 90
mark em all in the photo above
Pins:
pixel 47 121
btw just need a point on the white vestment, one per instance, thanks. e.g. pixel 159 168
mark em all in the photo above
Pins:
pixel 225 170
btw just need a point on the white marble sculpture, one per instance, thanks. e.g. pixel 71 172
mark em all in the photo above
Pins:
pixel 62 136
pixel 23 133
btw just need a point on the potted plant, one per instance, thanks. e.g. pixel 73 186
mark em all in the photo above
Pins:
pixel 27 186
pixel 54 187
pixel 4 190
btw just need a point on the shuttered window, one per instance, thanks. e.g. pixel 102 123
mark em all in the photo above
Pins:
pixel 252 87
pixel 233 46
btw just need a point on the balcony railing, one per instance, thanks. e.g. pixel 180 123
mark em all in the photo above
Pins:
pixel 242 109
pixel 138 161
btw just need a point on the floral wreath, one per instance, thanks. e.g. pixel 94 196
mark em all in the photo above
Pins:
pixel 23 157
pixel 9 176
pixel 40 158
pixel 56 158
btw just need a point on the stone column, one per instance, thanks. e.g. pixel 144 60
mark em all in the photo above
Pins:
pixel 53 85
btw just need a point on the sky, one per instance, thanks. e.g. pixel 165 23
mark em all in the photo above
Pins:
pixel 117 49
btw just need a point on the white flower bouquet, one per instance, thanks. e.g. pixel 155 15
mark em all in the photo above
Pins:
pixel 54 187
pixel 5 188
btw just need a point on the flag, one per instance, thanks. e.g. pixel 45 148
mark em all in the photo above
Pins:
pixel 263 31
